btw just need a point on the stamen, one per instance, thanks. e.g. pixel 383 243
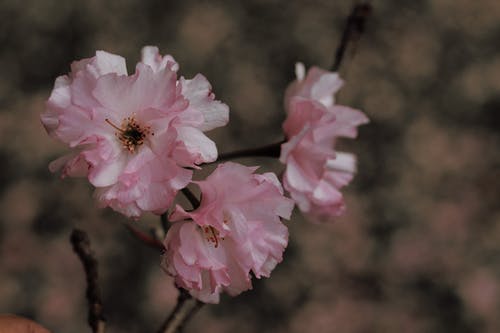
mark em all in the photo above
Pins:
pixel 113 125
pixel 212 235
pixel 131 134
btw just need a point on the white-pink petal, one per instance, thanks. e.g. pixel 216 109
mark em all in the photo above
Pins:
pixel 150 55
pixel 198 92
pixel 197 145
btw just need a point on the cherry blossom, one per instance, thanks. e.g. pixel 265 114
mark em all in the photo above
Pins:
pixel 133 135
pixel 319 85
pixel 315 172
pixel 235 230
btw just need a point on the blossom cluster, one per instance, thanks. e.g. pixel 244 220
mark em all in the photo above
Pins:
pixel 138 139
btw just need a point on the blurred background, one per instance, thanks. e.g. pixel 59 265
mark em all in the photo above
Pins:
pixel 419 247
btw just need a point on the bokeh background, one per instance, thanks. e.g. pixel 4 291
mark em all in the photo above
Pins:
pixel 419 247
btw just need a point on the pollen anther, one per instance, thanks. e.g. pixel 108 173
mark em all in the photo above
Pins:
pixel 212 235
pixel 131 134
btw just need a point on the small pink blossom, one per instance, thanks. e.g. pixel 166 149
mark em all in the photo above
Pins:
pixel 236 229
pixel 315 172
pixel 319 85
pixel 133 135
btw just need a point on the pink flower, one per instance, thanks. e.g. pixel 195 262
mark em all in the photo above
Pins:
pixel 236 229
pixel 315 173
pixel 318 85
pixel 133 134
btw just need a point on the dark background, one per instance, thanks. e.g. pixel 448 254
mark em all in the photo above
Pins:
pixel 417 251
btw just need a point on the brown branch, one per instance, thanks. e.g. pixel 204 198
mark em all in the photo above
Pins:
pixel 185 308
pixel 353 29
pixel 271 150
pixel 81 245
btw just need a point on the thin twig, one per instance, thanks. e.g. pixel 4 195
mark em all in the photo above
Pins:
pixel 81 245
pixel 272 150
pixel 185 308
pixel 145 238
pixel 353 29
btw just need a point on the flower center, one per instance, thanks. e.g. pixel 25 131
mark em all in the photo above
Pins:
pixel 212 235
pixel 131 134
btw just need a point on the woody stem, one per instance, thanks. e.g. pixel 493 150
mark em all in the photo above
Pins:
pixel 185 308
pixel 272 150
